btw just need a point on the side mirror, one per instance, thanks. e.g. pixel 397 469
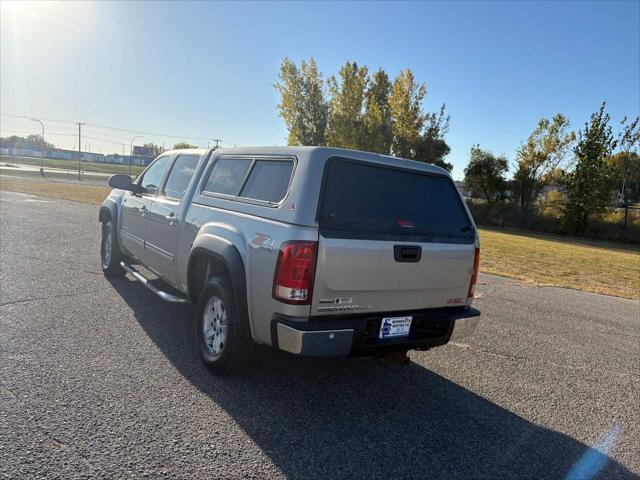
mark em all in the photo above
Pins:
pixel 122 182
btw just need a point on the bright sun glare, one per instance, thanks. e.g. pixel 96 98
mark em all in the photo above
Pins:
pixel 24 8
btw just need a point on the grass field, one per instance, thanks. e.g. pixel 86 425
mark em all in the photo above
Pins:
pixel 542 259
pixel 539 259
pixel 72 165
pixel 67 191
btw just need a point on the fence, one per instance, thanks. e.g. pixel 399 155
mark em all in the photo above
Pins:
pixel 616 223
pixel 72 155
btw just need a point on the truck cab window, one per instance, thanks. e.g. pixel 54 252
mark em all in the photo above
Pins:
pixel 151 179
pixel 227 175
pixel 180 176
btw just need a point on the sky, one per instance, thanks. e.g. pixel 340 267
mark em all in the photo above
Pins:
pixel 206 70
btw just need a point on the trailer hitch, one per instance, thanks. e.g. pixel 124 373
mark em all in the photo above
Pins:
pixel 398 358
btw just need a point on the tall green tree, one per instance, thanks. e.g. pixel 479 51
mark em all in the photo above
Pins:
pixel 431 146
pixel 484 176
pixel 544 151
pixel 346 126
pixel 405 103
pixel 303 103
pixel 589 185
pixel 377 115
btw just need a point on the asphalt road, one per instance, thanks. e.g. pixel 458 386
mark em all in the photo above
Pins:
pixel 101 379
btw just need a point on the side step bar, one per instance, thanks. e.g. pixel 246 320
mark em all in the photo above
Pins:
pixel 167 297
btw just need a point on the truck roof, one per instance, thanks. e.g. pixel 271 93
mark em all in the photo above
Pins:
pixel 306 153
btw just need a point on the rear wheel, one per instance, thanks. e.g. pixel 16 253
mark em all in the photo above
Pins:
pixel 110 255
pixel 225 347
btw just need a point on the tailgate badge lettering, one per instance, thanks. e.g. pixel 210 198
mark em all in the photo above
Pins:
pixel 336 301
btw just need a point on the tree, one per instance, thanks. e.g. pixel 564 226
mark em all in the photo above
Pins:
pixel 28 142
pixel 405 104
pixel 155 150
pixel 431 146
pixel 377 114
pixel 625 171
pixel 589 185
pixel 484 176
pixel 182 145
pixel 544 151
pixel 303 104
pixel 625 164
pixel 346 127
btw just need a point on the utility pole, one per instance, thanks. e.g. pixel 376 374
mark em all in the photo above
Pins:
pixel 79 148
pixel 41 148
pixel 217 140
pixel 131 151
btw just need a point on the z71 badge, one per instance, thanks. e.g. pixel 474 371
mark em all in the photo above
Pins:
pixel 264 241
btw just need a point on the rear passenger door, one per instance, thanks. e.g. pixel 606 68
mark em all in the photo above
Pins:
pixel 166 212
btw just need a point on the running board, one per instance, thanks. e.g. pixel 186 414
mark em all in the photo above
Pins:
pixel 167 297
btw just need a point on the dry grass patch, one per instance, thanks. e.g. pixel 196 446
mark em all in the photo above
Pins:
pixel 67 191
pixel 588 265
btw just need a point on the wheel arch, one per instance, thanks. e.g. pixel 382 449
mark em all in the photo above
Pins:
pixel 213 256
pixel 108 209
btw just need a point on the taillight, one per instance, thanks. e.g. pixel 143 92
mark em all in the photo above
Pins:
pixel 295 270
pixel 474 276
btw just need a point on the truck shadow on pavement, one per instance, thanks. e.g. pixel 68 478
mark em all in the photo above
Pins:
pixel 329 418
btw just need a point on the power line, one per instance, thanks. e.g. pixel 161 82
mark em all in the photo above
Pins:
pixel 22 132
pixel 42 118
pixel 96 125
pixel 56 134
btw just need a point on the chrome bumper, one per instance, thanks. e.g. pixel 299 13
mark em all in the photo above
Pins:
pixel 464 327
pixel 315 343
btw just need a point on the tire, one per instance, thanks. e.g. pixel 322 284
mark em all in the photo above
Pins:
pixel 110 254
pixel 225 346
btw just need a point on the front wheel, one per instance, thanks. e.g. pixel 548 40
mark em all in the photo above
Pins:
pixel 110 255
pixel 225 346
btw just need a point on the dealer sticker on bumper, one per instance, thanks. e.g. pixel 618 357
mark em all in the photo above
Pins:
pixel 395 327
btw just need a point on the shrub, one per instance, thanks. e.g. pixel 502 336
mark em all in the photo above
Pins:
pixel 547 217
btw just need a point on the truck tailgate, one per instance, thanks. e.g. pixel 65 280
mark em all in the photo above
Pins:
pixel 356 275
pixel 391 239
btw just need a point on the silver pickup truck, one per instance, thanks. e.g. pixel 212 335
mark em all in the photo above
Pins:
pixel 312 250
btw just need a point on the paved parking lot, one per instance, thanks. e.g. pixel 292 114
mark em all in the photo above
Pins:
pixel 100 378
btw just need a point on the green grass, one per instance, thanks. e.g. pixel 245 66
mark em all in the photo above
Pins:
pixel 541 259
pixel 73 165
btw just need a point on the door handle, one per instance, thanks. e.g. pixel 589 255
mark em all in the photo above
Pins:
pixel 171 218
pixel 142 210
pixel 407 253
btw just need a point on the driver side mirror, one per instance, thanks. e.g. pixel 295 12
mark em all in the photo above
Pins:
pixel 122 182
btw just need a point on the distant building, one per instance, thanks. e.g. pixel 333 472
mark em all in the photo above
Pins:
pixel 54 153
pixel 72 155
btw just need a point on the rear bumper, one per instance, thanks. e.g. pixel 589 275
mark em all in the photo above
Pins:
pixel 357 335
